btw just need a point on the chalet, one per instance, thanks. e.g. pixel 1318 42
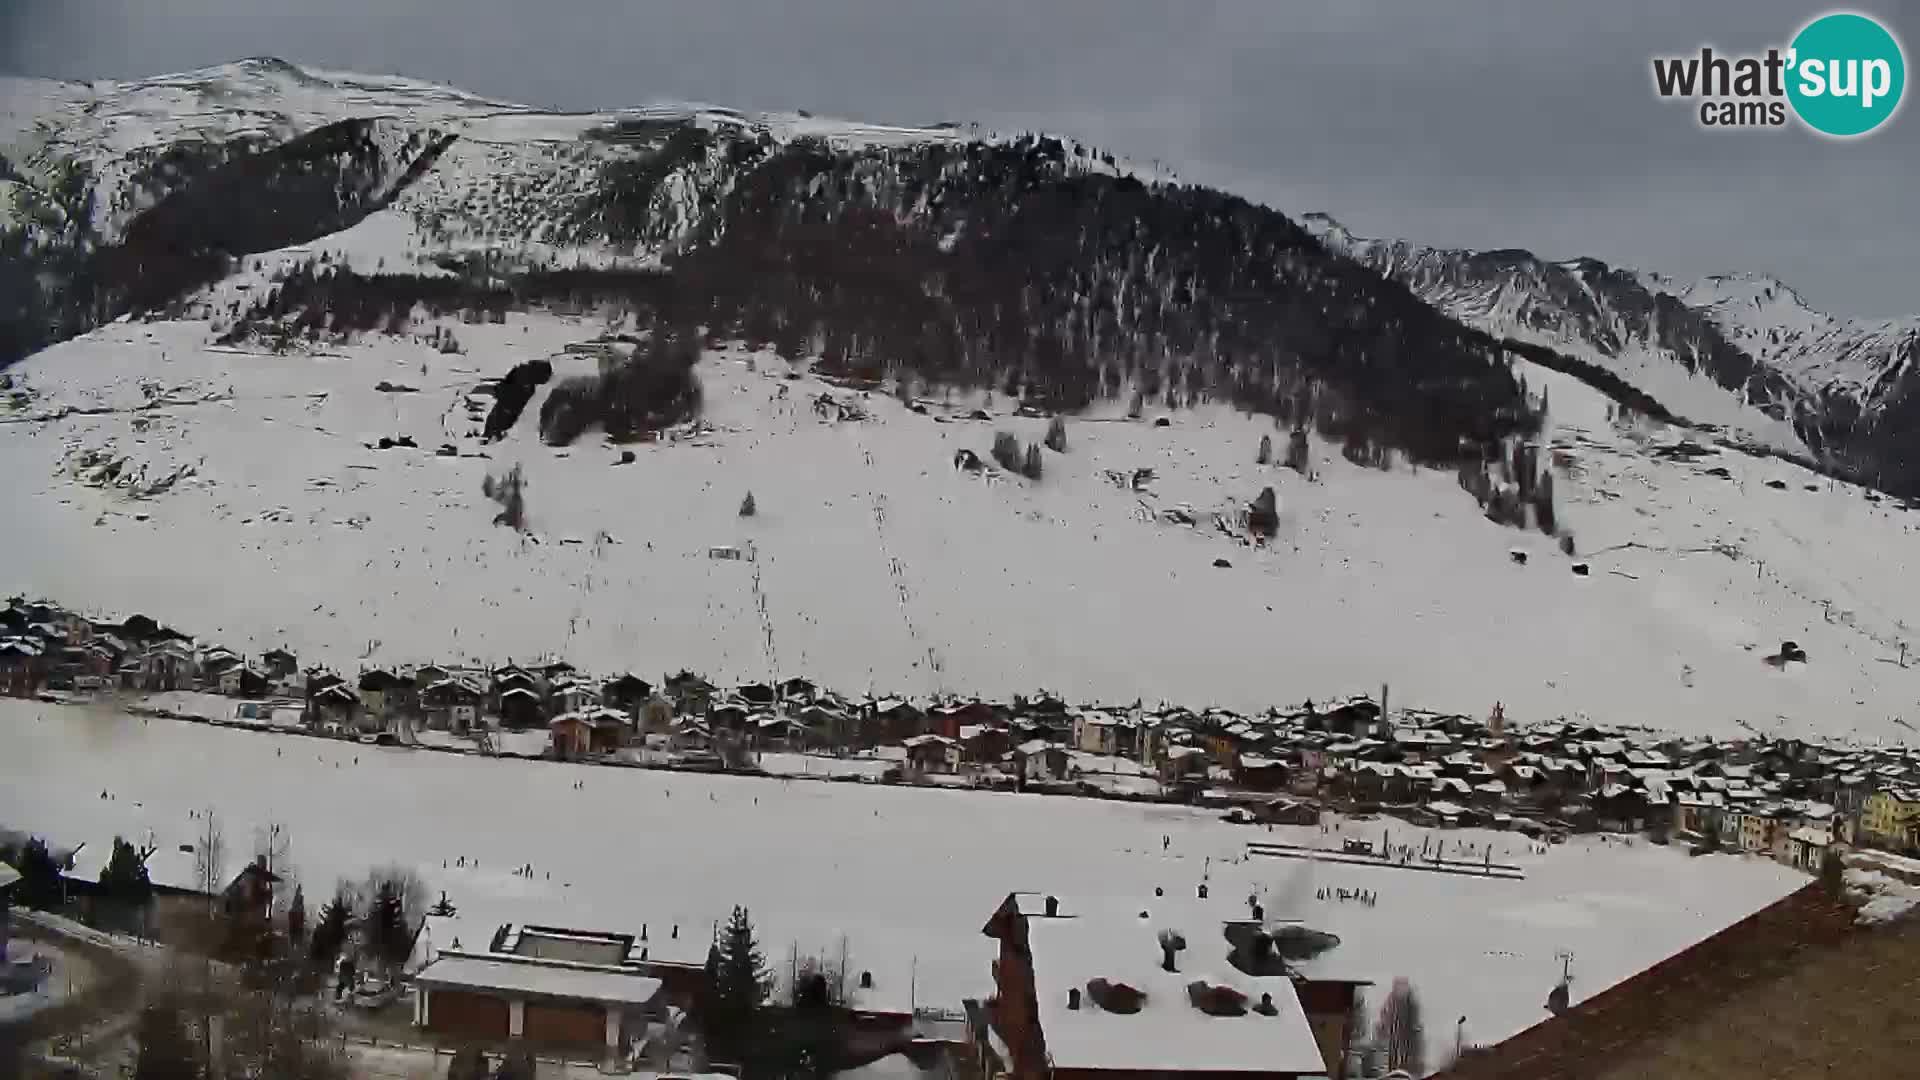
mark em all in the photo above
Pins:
pixel 573 697
pixel 1039 760
pixel 828 724
pixel 774 730
pixel 511 678
pixel 689 733
pixel 1182 763
pixel 984 745
pixel 521 708
pixel 1261 773
pixel 375 685
pixel 498 999
pixel 572 735
pixel 729 716
pixel 214 661
pixel 555 670
pixel 168 665
pixel 1084 998
pixel 1356 717
pixel 758 695
pixel 628 692
pixel 893 720
pixel 23 667
pixel 932 754
pixel 242 681
pixel 279 663
pixel 950 718
pixel 798 691
pixel 689 692
pixel 1285 811
pixel 1095 732
pixel 451 705
pixel 337 705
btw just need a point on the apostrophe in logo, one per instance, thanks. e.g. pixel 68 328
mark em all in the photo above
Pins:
pixel 1843 75
pixel 1847 74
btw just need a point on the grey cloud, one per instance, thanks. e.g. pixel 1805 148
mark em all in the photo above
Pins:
pixel 1476 123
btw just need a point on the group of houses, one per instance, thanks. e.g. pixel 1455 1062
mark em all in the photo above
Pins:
pixel 1786 799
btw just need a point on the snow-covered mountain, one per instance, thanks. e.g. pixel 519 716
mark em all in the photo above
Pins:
pixel 1741 352
pixel 282 327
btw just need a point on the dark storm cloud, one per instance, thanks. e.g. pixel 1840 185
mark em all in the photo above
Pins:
pixel 1465 122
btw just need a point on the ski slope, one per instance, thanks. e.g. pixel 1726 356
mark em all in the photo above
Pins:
pixel 880 566
pixel 904 878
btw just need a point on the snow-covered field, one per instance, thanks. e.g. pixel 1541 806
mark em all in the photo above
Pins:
pixel 907 876
pixel 878 565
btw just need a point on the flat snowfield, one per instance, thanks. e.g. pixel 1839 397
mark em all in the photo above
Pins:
pixel 879 566
pixel 908 876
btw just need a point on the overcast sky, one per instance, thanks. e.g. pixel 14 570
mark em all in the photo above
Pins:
pixel 1457 122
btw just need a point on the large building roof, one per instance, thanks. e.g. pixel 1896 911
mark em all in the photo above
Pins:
pixel 1168 1033
pixel 460 971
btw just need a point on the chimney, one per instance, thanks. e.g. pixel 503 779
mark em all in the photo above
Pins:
pixel 1053 906
pixel 643 931
pixel 1073 997
pixel 1170 943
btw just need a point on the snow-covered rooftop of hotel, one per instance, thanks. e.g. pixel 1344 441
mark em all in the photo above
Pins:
pixel 1169 1032
pixel 461 971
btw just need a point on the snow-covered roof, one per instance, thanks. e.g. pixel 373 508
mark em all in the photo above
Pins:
pixel 465 972
pixel 1168 1033
pixel 1032 746
pixel 1446 809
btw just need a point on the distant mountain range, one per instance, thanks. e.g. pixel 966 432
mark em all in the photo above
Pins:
pixel 1030 263
pixel 1741 352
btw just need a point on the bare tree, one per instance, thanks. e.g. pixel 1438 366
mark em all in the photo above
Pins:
pixel 1400 1033
pixel 273 849
pixel 210 857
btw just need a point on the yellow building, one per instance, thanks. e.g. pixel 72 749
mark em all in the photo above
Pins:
pixel 1891 815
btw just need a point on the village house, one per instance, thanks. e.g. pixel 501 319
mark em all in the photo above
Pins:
pixel 797 691
pixel 689 693
pixel 570 696
pixel 23 668
pixel 981 744
pixel 927 754
pixel 168 665
pixel 241 680
pixel 520 708
pixel 557 988
pixel 1039 761
pixel 1100 998
pixel 451 704
pixel 1890 817
pixel 338 705
pixel 572 736
pixel 628 693
pixel 279 664
pixel 891 720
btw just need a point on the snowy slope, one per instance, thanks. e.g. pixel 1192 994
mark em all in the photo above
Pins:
pixel 1853 359
pixel 880 565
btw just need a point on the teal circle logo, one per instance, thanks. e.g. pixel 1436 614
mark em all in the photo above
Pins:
pixel 1846 74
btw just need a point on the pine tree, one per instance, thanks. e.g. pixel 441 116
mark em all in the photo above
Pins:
pixel 387 934
pixel 297 917
pixel 124 884
pixel 39 885
pixel 1263 517
pixel 1057 436
pixel 1265 454
pixel 1032 467
pixel 747 507
pixel 740 986
pixel 162 1049
pixel 330 933
pixel 1006 451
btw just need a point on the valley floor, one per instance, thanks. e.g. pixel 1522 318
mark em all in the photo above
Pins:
pixel 903 877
